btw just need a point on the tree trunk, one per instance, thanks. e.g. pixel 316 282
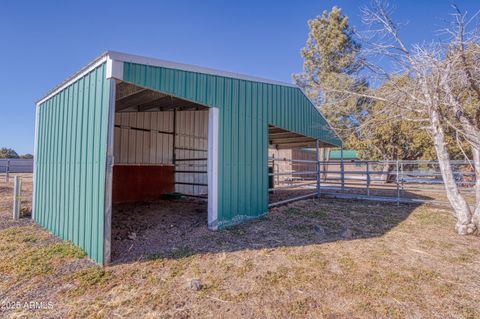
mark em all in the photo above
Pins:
pixel 476 163
pixel 387 176
pixel 460 206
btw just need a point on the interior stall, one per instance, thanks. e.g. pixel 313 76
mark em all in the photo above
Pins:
pixel 291 176
pixel 160 162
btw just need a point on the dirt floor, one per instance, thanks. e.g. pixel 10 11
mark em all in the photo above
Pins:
pixel 143 229
pixel 309 259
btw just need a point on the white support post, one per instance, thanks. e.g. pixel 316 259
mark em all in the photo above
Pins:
pixel 318 169
pixel 213 128
pixel 17 189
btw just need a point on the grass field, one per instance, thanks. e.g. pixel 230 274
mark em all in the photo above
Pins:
pixel 313 258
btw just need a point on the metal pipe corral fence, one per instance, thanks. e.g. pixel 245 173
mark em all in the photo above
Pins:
pixel 395 181
pixel 399 181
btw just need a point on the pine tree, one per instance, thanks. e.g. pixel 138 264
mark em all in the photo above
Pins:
pixel 332 63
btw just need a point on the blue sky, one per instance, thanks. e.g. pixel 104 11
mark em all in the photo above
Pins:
pixel 43 42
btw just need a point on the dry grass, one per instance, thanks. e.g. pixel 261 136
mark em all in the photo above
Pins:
pixel 400 262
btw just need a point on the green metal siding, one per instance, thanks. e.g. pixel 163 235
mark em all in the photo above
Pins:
pixel 70 162
pixel 246 110
pixel 280 105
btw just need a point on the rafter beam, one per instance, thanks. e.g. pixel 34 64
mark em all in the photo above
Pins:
pixel 165 101
pixel 130 95
pixel 283 135
pixel 294 145
pixel 138 98
pixel 273 130
pixel 298 139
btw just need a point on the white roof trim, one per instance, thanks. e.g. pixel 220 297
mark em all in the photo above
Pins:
pixel 123 57
pixel 85 70
pixel 114 69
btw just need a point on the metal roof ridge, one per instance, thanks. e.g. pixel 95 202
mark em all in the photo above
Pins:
pixel 132 58
pixel 138 59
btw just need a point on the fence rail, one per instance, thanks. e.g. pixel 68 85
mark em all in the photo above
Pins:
pixel 396 181
pixel 14 165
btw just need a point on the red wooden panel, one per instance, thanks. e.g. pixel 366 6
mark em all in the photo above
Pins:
pixel 141 182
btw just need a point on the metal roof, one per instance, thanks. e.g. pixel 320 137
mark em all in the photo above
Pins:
pixel 110 56
pixel 132 58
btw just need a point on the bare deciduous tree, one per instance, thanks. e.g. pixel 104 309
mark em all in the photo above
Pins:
pixel 442 91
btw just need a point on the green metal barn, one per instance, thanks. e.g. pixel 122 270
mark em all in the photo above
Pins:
pixel 120 129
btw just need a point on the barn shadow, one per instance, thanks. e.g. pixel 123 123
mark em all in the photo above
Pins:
pixel 178 228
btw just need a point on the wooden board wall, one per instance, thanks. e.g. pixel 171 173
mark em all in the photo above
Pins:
pixel 133 183
pixel 147 138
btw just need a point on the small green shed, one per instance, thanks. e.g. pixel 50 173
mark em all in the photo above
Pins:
pixel 134 112
pixel 345 154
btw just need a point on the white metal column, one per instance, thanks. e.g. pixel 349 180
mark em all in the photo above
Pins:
pixel 212 168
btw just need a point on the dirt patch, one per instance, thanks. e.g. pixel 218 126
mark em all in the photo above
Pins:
pixel 284 194
pixel 178 228
pixel 142 229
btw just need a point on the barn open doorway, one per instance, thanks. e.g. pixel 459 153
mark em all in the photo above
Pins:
pixel 159 178
pixel 292 166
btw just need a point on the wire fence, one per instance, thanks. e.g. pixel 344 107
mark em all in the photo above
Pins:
pixel 13 166
pixel 393 181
